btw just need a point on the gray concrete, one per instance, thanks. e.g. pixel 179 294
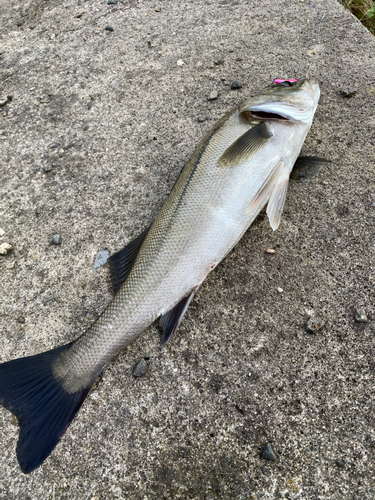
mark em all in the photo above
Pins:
pixel 123 107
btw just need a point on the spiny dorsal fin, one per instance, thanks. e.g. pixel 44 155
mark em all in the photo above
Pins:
pixel 246 146
pixel 121 263
pixel 171 320
pixel 306 167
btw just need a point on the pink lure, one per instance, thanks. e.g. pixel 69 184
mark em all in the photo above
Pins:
pixel 279 80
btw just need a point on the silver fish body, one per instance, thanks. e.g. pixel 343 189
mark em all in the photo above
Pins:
pixel 242 164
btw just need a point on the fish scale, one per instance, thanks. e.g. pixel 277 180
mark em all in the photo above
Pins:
pixel 241 164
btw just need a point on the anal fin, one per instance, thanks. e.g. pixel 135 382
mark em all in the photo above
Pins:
pixel 121 263
pixel 171 320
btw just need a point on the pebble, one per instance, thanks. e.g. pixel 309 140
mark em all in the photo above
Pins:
pixel 219 62
pixel 38 210
pixel 101 259
pixel 140 368
pixel 180 62
pixel 201 118
pixel 360 316
pixel 5 248
pixel 2 232
pixel 348 91
pixel 4 101
pixel 112 2
pixel 56 239
pixel 270 250
pixel 21 320
pixel 236 84
pixel 268 452
pixel 156 400
pixel 280 290
pixel 47 168
pixel 314 324
pixel 339 463
pixel 212 95
pixel 157 9
pixel 109 28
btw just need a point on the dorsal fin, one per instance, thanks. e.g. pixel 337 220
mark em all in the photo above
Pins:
pixel 121 263
pixel 171 320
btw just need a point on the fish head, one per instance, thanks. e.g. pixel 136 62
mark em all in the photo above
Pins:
pixel 295 103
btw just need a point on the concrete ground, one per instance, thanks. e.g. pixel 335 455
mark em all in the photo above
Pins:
pixel 116 114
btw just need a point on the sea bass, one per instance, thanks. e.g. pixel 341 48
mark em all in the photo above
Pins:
pixel 242 164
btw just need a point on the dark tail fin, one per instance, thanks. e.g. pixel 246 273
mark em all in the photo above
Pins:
pixel 43 408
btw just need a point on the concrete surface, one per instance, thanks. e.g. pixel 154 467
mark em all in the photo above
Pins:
pixel 242 371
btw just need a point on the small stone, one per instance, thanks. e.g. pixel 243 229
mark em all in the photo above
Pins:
pixel 236 84
pixel 348 91
pixel 56 239
pixel 157 9
pixel 109 28
pixel 280 290
pixel 4 101
pixel 2 232
pixel 268 452
pixel 270 250
pixel 101 259
pixel 360 316
pixel 201 118
pixel 38 210
pixel 212 95
pixel 239 59
pixel 339 463
pixel 219 62
pixel 314 324
pixel 140 368
pixel 5 248
pixel 47 168
pixel 21 320
pixel 180 62
pixel 112 2
pixel 156 400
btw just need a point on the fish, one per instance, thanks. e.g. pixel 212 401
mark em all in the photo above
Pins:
pixel 240 166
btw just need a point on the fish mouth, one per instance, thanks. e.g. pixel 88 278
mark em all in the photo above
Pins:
pixel 278 111
pixel 263 115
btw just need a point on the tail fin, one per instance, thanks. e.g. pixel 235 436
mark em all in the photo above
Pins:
pixel 43 408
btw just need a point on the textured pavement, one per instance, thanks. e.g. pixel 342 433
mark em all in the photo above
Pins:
pixel 116 114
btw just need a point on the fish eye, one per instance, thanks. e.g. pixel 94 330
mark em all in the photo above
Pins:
pixel 286 83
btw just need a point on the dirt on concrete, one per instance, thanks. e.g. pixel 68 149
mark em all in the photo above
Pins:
pixel 115 114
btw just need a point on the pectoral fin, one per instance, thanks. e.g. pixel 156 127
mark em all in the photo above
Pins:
pixel 246 146
pixel 171 320
pixel 306 167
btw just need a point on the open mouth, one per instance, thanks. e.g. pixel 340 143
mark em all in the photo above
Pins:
pixel 263 115
pixel 277 111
